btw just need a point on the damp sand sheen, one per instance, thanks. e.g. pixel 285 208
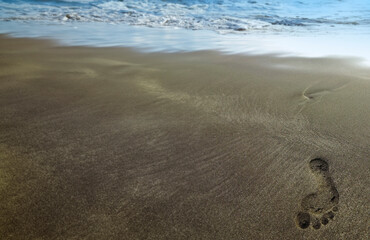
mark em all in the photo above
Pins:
pixel 109 143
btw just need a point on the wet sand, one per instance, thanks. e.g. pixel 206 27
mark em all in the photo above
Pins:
pixel 109 143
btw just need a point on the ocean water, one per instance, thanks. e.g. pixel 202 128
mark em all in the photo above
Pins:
pixel 222 16
pixel 310 27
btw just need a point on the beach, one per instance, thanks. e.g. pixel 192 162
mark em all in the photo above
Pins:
pixel 112 143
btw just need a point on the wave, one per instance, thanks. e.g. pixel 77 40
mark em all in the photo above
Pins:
pixel 223 16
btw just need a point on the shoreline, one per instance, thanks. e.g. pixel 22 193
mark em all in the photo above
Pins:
pixel 111 143
pixel 170 40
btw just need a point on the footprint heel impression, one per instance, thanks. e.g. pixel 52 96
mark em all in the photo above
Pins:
pixel 318 208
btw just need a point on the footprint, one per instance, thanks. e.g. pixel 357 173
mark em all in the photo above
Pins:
pixel 318 208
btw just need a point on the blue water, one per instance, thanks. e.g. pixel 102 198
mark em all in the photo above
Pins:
pixel 222 16
pixel 231 25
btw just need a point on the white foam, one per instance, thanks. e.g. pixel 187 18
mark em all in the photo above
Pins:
pixel 227 16
pixel 310 28
pixel 172 40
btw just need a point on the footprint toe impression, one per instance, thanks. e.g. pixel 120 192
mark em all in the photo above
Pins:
pixel 303 220
pixel 316 223
pixel 319 207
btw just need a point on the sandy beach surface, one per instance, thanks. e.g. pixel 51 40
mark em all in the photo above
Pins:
pixel 109 143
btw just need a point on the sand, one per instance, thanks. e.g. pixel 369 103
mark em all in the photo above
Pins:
pixel 110 143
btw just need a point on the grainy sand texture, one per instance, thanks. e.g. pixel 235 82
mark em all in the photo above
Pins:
pixel 109 143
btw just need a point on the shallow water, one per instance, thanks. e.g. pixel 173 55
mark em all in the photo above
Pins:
pixel 223 16
pixel 308 27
